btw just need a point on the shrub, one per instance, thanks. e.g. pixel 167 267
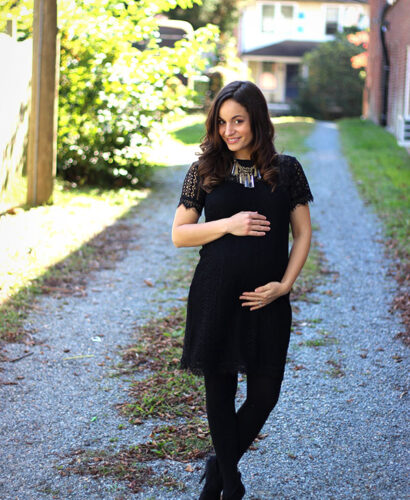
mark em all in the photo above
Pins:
pixel 112 92
pixel 333 87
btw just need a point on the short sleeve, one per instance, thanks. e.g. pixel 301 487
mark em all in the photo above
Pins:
pixel 299 189
pixel 192 196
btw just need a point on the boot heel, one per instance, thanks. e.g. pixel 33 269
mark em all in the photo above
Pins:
pixel 238 493
pixel 213 481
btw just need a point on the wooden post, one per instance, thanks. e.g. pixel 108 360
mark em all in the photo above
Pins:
pixel 11 28
pixel 41 154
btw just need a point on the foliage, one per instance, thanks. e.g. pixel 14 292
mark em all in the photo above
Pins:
pixel 333 88
pixel 223 13
pixel 112 93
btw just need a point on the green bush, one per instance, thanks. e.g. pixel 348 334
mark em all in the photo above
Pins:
pixel 333 88
pixel 113 93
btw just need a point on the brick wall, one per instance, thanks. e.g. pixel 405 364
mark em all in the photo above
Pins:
pixel 397 41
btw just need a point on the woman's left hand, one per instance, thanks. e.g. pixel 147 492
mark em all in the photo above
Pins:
pixel 263 295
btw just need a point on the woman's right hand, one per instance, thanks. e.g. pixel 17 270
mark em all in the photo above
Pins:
pixel 248 224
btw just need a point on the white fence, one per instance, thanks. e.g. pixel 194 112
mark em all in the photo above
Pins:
pixel 15 71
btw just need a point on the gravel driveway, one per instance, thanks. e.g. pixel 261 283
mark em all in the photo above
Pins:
pixel 339 429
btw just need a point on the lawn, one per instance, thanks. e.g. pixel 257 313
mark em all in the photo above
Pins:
pixel 382 171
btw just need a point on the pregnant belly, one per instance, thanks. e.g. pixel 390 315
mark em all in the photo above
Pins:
pixel 248 261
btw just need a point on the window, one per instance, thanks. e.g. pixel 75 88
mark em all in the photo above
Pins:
pixel 332 20
pixel 286 11
pixel 267 79
pixel 267 67
pixel 274 15
pixel 268 18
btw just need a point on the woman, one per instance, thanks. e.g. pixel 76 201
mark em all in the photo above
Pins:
pixel 239 315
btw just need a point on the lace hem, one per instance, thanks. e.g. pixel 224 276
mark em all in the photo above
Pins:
pixel 192 195
pixel 191 204
pixel 295 177
pixel 308 198
pixel 199 370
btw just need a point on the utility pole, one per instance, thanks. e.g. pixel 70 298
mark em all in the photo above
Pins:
pixel 42 142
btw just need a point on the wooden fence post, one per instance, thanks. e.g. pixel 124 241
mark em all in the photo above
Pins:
pixel 41 154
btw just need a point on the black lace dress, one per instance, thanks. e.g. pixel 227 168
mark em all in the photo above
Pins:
pixel 220 334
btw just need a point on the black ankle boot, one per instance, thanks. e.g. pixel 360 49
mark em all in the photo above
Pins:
pixel 213 480
pixel 237 493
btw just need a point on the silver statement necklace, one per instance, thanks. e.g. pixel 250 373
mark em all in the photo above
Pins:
pixel 245 175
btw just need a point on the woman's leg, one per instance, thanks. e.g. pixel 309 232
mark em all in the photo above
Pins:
pixel 220 406
pixel 262 394
pixel 232 433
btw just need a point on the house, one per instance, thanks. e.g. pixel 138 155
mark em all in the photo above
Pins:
pixel 387 90
pixel 273 36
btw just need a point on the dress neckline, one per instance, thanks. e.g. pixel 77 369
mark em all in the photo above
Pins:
pixel 244 163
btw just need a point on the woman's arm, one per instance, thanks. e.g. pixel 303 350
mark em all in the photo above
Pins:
pixel 186 232
pixel 302 234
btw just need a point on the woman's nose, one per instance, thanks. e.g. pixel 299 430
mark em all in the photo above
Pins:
pixel 229 130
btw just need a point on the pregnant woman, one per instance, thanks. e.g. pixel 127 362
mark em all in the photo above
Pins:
pixel 239 315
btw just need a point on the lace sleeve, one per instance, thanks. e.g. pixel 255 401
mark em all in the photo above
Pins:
pixel 299 189
pixel 192 196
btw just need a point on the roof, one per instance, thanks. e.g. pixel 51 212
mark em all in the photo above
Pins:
pixel 287 48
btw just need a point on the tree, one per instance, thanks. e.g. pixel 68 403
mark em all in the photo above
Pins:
pixel 111 93
pixel 333 87
pixel 222 13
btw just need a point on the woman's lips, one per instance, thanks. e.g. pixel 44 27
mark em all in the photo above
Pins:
pixel 233 140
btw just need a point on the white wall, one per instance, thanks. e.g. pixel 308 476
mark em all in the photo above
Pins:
pixel 308 23
pixel 15 65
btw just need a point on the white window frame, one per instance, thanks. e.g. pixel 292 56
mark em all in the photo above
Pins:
pixel 266 4
pixel 339 14
pixel 277 15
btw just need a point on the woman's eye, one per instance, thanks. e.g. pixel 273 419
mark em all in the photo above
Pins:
pixel 238 121
pixel 220 122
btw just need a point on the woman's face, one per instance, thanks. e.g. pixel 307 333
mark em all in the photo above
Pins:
pixel 235 128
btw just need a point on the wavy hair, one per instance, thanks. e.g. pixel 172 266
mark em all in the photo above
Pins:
pixel 215 161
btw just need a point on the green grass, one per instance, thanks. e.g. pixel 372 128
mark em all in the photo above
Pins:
pixel 319 342
pixel 382 171
pixel 191 134
pixel 291 133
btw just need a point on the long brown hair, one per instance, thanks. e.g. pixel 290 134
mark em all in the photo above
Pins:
pixel 215 161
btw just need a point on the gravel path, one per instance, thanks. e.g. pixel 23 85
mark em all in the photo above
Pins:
pixel 339 429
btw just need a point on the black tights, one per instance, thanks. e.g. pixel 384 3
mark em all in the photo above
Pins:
pixel 233 432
